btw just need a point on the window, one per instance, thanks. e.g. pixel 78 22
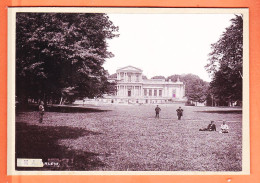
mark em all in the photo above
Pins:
pixel 121 75
pixel 160 93
pixel 129 78
pixel 145 92
pixel 136 90
pixel 150 92
pixel 137 78
pixel 155 92
pixel 174 93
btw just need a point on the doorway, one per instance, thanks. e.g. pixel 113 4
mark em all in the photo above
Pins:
pixel 129 93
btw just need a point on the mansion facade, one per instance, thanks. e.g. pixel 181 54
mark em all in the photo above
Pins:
pixel 133 88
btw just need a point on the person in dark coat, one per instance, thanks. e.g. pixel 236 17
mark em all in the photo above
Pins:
pixel 41 111
pixel 211 127
pixel 179 113
pixel 157 111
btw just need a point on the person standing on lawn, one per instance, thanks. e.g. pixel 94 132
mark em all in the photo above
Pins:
pixel 41 111
pixel 157 111
pixel 179 113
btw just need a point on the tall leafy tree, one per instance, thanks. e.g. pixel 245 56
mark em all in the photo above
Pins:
pixel 62 55
pixel 226 64
pixel 195 88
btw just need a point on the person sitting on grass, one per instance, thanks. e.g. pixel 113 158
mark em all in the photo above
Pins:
pixel 224 128
pixel 211 127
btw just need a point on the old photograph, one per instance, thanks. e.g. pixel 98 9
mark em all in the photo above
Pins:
pixel 128 90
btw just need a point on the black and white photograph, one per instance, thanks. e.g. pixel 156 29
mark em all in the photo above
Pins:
pixel 128 91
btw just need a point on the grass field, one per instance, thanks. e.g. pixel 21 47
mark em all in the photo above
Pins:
pixel 129 138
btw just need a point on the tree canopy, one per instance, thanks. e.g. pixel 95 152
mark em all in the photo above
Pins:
pixel 158 77
pixel 113 76
pixel 62 54
pixel 144 77
pixel 226 64
pixel 195 88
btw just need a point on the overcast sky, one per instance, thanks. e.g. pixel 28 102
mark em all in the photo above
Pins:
pixel 165 44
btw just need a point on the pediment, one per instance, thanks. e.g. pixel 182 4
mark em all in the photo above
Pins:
pixel 129 69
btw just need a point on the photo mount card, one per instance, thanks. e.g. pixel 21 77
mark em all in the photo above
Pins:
pixel 70 139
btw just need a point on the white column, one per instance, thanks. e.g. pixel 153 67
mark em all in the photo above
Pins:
pixel 163 91
pixel 183 90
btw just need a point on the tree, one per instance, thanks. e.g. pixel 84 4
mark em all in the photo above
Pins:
pixel 113 76
pixel 144 77
pixel 158 77
pixel 62 55
pixel 226 64
pixel 195 88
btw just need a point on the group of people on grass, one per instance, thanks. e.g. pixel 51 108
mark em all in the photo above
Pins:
pixel 211 127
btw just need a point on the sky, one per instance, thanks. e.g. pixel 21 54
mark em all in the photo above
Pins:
pixel 165 44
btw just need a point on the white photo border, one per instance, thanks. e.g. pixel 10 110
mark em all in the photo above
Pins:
pixel 11 85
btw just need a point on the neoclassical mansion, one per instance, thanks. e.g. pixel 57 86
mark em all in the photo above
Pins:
pixel 132 88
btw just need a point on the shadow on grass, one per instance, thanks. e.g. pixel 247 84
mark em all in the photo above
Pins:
pixel 41 142
pixel 223 112
pixel 60 108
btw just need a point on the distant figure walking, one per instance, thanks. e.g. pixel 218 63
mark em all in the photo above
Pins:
pixel 179 113
pixel 157 111
pixel 41 111
pixel 224 128
pixel 211 127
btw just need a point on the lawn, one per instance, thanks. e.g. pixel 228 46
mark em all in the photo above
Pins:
pixel 129 138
